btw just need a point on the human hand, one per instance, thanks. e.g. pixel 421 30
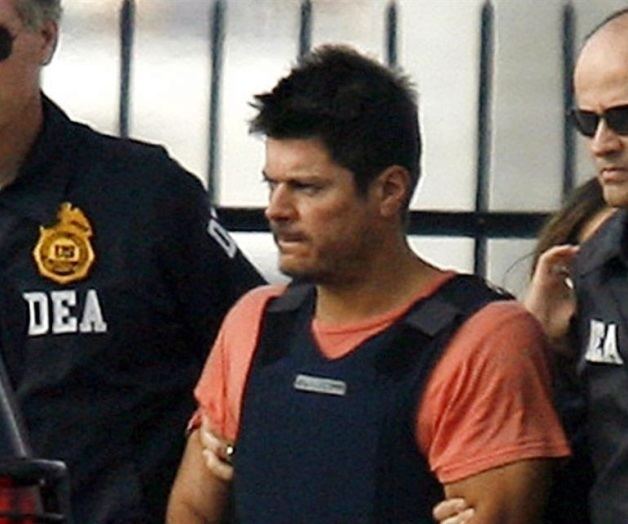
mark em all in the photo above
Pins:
pixel 217 452
pixel 550 296
pixel 453 511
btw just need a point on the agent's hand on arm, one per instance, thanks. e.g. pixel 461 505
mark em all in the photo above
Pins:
pixel 453 511
pixel 198 495
pixel 550 297
pixel 217 452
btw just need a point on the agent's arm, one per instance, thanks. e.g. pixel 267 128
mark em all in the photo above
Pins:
pixel 198 496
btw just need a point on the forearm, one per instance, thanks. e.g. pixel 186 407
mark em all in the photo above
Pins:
pixel 197 496
pixel 513 494
pixel 182 510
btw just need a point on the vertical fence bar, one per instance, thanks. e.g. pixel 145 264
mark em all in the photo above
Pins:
pixel 217 39
pixel 127 32
pixel 391 34
pixel 484 130
pixel 568 53
pixel 305 28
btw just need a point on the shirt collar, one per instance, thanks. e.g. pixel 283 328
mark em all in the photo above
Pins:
pixel 43 178
pixel 609 243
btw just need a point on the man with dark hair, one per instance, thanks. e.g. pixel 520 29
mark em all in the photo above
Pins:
pixel 368 139
pixel 375 380
pixel 114 278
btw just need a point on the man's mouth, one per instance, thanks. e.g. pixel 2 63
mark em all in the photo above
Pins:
pixel 613 174
pixel 286 238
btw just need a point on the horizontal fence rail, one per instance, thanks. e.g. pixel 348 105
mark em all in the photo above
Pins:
pixel 472 224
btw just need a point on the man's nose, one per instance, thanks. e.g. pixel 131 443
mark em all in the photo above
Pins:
pixel 280 205
pixel 605 141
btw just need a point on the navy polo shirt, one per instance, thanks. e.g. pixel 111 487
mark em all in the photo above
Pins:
pixel 114 278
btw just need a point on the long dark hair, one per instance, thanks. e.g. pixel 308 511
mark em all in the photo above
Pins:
pixel 564 226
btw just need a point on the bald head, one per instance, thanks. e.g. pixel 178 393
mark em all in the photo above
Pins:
pixel 601 74
pixel 609 39
pixel 610 20
pixel 601 83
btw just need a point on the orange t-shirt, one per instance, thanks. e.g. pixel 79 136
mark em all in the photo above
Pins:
pixel 487 402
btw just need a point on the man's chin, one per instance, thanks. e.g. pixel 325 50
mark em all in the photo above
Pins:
pixel 302 274
pixel 616 196
pixel 295 273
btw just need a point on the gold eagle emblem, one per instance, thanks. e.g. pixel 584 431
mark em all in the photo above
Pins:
pixel 63 252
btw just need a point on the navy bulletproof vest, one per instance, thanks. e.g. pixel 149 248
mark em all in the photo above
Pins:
pixel 333 441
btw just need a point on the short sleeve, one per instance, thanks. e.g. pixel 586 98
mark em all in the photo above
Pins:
pixel 488 402
pixel 219 390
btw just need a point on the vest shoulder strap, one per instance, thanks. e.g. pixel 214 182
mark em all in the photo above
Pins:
pixel 458 298
pixel 291 299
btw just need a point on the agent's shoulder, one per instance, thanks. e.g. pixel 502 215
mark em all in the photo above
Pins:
pixel 608 242
pixel 127 152
pixel 129 160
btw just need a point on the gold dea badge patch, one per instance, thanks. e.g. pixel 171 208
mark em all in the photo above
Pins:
pixel 63 252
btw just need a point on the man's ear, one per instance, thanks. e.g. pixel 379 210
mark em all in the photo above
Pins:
pixel 49 32
pixel 393 186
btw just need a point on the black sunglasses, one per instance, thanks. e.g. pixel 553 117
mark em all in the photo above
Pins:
pixel 6 43
pixel 587 122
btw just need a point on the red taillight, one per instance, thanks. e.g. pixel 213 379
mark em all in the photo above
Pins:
pixel 18 504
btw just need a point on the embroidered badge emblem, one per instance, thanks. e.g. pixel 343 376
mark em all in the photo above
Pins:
pixel 63 252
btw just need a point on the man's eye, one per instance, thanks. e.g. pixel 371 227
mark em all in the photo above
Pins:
pixel 270 184
pixel 308 189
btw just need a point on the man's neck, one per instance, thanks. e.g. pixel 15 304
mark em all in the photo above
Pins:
pixel 17 138
pixel 383 289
